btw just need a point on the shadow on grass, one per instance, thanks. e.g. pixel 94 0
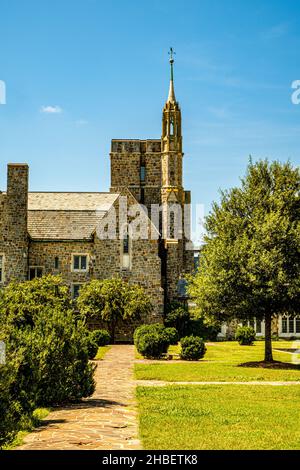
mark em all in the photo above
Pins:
pixel 271 365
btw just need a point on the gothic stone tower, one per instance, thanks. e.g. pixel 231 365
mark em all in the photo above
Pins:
pixel 152 171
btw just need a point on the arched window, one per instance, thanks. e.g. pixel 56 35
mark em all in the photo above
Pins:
pixel 290 324
pixel 172 127
pixel 284 324
pixel 126 252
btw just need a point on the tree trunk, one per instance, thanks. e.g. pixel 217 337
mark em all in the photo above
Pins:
pixel 268 338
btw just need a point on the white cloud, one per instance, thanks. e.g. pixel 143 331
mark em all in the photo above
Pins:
pixel 51 109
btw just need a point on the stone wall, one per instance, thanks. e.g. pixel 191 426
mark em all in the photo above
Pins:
pixel 13 224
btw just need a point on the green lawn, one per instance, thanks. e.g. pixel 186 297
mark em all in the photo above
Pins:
pixel 219 417
pixel 37 416
pixel 221 363
pixel 102 350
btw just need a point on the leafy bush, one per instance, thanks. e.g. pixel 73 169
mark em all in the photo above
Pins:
pixel 152 345
pixel 46 353
pixel 177 317
pixel 192 348
pixel 197 327
pixel 92 346
pixel 245 335
pixel 171 335
pixel 144 329
pixel 113 301
pixel 102 337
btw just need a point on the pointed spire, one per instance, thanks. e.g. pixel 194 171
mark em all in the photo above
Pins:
pixel 171 97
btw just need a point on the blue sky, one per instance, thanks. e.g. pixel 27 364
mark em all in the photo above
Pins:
pixel 104 66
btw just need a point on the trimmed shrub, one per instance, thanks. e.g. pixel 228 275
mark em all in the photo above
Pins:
pixel 245 335
pixel 144 329
pixel 101 337
pixel 152 345
pixel 177 317
pixel 92 346
pixel 171 335
pixel 192 348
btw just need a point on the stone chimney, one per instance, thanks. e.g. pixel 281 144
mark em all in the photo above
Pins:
pixel 16 257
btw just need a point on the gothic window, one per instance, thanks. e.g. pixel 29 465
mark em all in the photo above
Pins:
pixel 290 324
pixel 172 127
pixel 258 327
pixel 126 252
pixel 56 262
pixel 80 263
pixel 284 324
pixel 35 272
pixel 1 269
pixel 298 325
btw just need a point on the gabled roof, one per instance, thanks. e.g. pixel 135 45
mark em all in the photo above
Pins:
pixel 66 216
pixel 71 201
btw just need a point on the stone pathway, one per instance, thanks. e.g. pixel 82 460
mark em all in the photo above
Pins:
pixel 107 420
pixel 161 383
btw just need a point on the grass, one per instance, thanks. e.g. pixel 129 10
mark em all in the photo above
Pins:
pixel 36 420
pixel 102 350
pixel 222 364
pixel 232 417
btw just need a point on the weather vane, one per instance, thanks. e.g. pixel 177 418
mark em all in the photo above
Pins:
pixel 171 54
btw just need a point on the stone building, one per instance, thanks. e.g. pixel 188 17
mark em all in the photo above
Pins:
pixel 58 233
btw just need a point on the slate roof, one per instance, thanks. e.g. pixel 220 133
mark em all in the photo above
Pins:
pixel 66 216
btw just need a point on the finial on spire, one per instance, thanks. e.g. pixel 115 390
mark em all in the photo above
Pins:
pixel 171 54
pixel 171 97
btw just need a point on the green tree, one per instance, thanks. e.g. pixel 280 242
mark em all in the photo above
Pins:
pixel 46 352
pixel 22 301
pixel 250 263
pixel 112 300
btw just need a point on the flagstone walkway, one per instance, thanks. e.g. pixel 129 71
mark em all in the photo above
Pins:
pixel 107 420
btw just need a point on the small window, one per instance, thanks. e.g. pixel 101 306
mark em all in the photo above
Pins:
pixel 142 196
pixel 56 262
pixel 143 173
pixel 284 325
pixel 75 290
pixel 291 325
pixel 35 272
pixel 297 325
pixel 126 245
pixel 258 327
pixel 1 269
pixel 80 263
pixel 126 252
pixel 172 127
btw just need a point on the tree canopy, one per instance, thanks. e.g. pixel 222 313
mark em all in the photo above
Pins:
pixel 250 262
pixel 112 300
